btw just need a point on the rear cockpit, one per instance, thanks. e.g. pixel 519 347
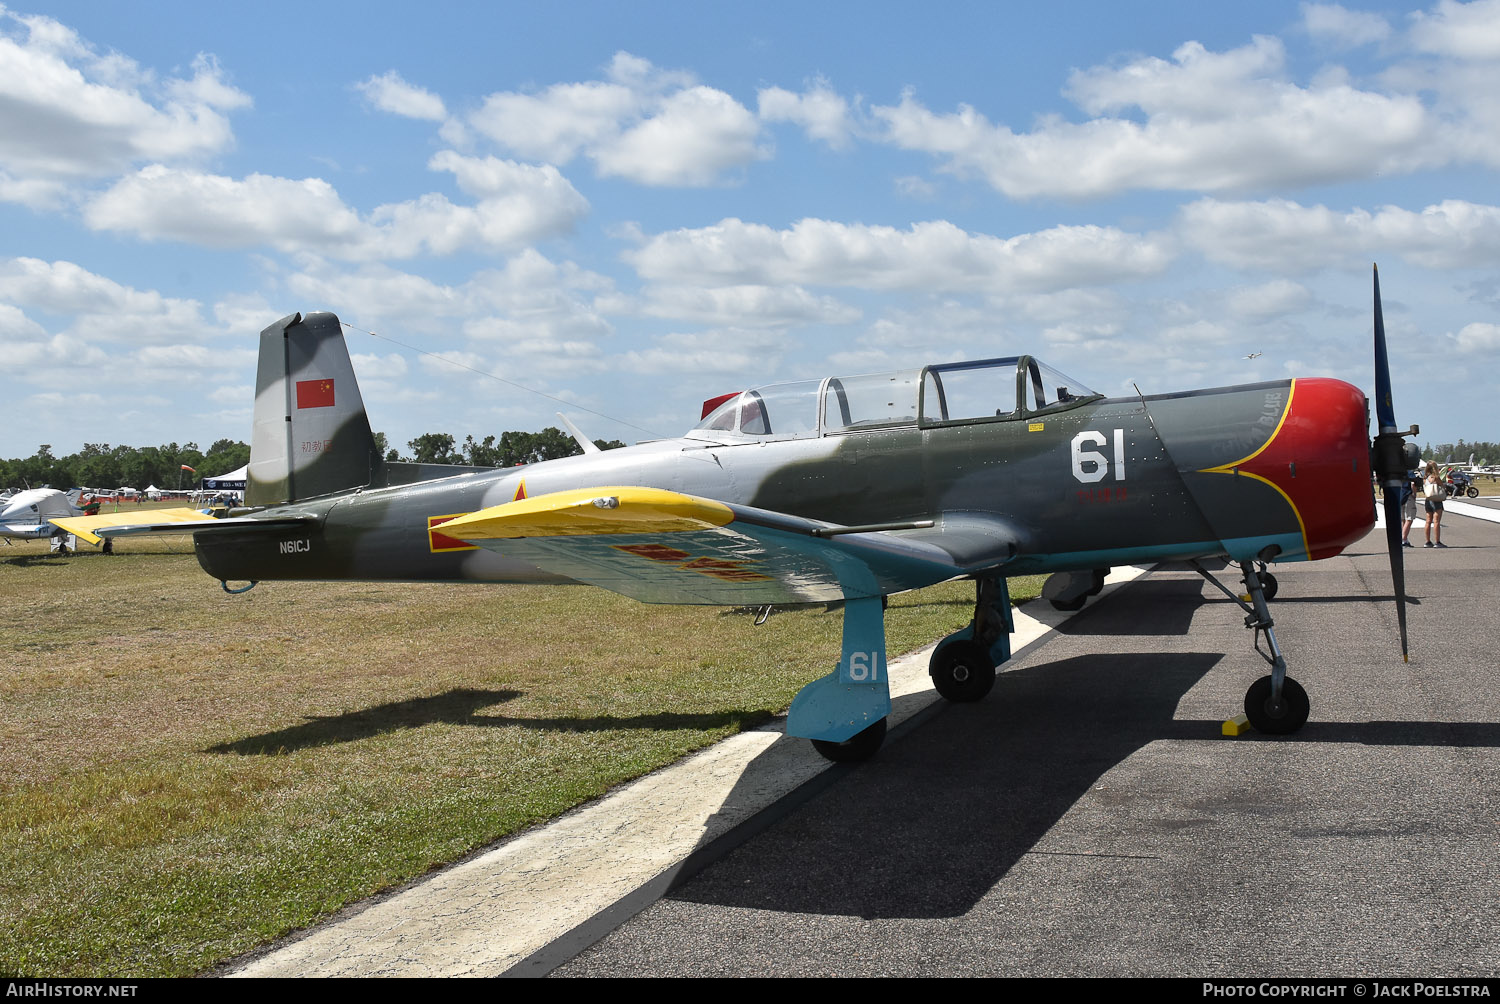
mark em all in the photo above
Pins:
pixel 988 390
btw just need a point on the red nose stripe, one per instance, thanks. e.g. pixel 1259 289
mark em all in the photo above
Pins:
pixel 1318 459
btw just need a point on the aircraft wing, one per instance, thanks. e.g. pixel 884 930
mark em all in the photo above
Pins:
pixel 127 524
pixel 666 547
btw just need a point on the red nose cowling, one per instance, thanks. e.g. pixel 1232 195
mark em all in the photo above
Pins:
pixel 1320 460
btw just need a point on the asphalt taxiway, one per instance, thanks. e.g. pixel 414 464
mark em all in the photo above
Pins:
pixel 1086 818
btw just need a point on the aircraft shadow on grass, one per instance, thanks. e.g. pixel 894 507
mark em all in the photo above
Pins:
pixel 35 560
pixel 978 793
pixel 459 707
pixel 456 707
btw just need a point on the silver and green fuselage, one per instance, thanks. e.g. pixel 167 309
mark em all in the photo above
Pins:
pixel 1017 474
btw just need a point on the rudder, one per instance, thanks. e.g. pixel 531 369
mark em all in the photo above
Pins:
pixel 310 435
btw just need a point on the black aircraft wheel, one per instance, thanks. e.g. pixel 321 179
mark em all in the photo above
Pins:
pixel 962 671
pixel 109 546
pixel 861 746
pixel 1267 585
pixel 1098 586
pixel 1070 605
pixel 1276 718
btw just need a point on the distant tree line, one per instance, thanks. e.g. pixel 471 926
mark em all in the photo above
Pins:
pixel 1484 453
pixel 99 465
pixel 510 449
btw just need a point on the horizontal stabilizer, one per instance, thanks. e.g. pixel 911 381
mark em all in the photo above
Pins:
pixel 87 527
pixel 95 529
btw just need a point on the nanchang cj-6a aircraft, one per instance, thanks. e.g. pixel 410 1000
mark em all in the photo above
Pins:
pixel 842 489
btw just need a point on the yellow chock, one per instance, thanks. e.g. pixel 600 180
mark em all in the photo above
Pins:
pixel 1244 597
pixel 1236 726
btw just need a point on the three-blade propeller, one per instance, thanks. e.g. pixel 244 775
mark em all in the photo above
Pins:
pixel 1391 457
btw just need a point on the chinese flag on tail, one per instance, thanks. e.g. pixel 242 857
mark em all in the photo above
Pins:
pixel 315 393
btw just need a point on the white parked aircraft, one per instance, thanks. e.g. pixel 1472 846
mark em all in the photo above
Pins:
pixel 26 513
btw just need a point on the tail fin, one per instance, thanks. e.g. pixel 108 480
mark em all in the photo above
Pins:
pixel 310 435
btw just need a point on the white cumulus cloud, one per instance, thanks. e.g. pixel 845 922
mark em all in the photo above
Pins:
pixel 694 136
pixel 746 306
pixel 15 326
pixel 188 205
pixel 70 111
pixel 1337 24
pixel 1461 30
pixel 643 124
pixel 528 299
pixel 1276 298
pixel 930 256
pixel 821 112
pixel 718 351
pixel 100 308
pixel 518 204
pixel 1279 235
pixel 1478 337
pixel 390 93
pixel 1205 121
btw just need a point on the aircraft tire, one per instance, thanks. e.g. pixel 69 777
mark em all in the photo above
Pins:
pixel 1268 585
pixel 1099 576
pixel 1069 606
pixel 859 747
pixel 962 671
pixel 1276 719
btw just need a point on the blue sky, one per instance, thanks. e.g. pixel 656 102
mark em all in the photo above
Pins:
pixel 633 207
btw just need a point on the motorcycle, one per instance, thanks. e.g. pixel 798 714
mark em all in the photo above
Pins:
pixel 1461 484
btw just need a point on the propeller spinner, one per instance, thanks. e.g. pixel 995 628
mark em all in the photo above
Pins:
pixel 1391 457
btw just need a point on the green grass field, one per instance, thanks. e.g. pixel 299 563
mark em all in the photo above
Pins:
pixel 188 774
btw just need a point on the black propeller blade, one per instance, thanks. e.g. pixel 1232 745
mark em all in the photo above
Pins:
pixel 1391 458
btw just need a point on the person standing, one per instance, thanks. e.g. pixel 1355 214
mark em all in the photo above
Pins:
pixel 1409 491
pixel 1435 491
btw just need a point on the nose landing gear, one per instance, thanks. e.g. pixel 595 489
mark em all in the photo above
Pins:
pixel 1275 704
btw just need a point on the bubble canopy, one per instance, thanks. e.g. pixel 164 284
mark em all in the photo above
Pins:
pixel 987 390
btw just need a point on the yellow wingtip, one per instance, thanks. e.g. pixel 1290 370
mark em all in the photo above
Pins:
pixel 80 532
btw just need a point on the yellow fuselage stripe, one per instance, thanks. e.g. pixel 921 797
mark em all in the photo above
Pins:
pixel 1233 468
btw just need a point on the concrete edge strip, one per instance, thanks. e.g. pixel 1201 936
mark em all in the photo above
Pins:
pixel 1471 509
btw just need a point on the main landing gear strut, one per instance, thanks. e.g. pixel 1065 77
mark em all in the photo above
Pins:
pixel 844 713
pixel 1275 704
pixel 963 664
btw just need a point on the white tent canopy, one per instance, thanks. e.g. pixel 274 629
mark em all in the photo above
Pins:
pixel 234 481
